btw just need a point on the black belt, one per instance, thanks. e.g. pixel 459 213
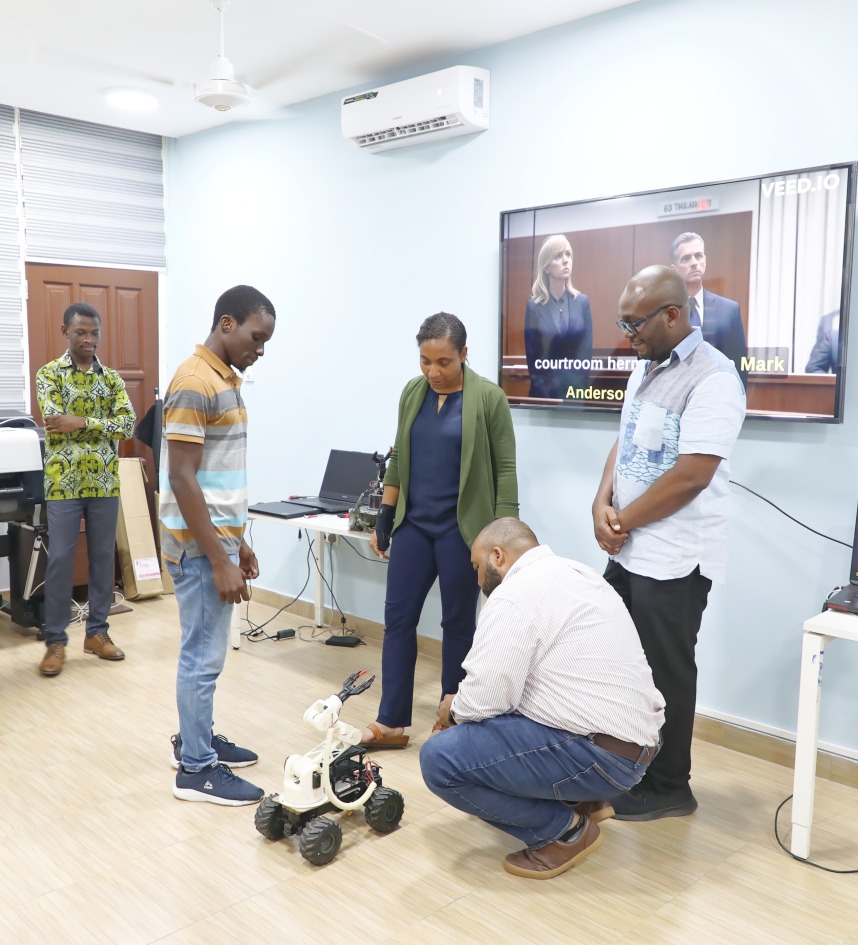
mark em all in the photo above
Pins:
pixel 628 750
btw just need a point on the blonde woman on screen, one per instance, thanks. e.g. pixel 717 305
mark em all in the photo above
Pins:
pixel 558 327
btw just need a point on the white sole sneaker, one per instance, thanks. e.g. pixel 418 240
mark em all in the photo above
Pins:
pixel 188 794
pixel 232 764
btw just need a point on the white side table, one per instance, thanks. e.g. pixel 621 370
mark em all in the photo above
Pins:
pixel 818 630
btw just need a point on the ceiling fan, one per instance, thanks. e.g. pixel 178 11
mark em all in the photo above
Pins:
pixel 325 38
pixel 221 91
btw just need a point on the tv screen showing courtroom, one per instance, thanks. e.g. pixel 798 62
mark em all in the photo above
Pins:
pixel 767 263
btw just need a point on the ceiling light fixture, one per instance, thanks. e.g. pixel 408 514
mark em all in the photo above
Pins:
pixel 221 92
pixel 130 100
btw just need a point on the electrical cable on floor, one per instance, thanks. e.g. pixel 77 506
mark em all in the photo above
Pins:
pixel 256 633
pixel 322 632
pixel 80 611
pixel 819 866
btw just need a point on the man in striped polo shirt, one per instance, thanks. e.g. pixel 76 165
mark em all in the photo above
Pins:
pixel 557 712
pixel 203 514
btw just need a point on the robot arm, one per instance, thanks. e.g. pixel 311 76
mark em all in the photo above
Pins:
pixel 325 713
pixel 349 687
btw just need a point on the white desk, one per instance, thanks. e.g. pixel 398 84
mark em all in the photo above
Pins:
pixel 818 630
pixel 318 528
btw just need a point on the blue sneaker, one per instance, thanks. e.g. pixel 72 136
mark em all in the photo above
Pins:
pixel 217 785
pixel 228 752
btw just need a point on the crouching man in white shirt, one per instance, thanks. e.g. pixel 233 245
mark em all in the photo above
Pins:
pixel 558 710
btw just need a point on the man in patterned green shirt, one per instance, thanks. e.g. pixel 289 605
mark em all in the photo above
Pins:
pixel 86 410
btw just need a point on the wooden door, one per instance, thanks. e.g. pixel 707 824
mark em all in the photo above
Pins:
pixel 127 301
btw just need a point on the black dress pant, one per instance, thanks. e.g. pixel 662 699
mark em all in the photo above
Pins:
pixel 667 616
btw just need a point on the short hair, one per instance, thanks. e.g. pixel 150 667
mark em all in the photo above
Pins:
pixel 549 249
pixel 241 301
pixel 509 533
pixel 443 325
pixel 79 308
pixel 684 238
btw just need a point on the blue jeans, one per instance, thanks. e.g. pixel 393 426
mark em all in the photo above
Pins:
pixel 521 776
pixel 205 621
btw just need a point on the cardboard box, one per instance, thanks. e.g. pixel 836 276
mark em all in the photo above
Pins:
pixel 135 540
pixel 166 580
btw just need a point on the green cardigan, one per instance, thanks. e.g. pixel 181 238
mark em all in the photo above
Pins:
pixel 488 487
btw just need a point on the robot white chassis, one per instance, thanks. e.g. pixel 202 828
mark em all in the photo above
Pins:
pixel 336 775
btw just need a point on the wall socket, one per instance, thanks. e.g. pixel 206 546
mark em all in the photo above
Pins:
pixel 332 539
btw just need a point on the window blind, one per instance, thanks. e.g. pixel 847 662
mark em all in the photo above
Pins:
pixel 11 304
pixel 92 194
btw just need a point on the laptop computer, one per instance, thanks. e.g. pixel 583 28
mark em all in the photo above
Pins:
pixel 347 476
pixel 279 509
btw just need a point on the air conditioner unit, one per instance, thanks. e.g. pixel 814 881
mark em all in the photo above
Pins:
pixel 429 107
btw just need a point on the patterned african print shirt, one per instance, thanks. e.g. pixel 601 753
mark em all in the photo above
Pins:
pixel 84 464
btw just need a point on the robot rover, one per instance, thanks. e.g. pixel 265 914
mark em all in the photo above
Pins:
pixel 336 775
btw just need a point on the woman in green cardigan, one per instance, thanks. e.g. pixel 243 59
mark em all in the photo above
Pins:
pixel 452 471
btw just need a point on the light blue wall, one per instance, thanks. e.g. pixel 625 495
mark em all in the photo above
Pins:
pixel 356 249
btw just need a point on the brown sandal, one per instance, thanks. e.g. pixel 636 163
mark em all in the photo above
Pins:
pixel 380 740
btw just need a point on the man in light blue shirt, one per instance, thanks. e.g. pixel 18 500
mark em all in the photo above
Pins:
pixel 660 511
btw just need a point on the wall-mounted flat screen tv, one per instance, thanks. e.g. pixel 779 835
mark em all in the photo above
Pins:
pixel 768 261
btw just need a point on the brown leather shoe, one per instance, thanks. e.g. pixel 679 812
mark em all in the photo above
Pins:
pixel 52 661
pixel 597 811
pixel 557 857
pixel 102 646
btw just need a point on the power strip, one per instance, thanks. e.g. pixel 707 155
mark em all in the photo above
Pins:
pixel 343 641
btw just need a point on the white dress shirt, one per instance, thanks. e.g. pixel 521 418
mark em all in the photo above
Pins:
pixel 554 642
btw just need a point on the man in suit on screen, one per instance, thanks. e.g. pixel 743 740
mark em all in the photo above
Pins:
pixel 718 317
pixel 823 357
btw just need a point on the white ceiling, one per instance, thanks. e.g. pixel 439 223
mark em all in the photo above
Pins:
pixel 58 56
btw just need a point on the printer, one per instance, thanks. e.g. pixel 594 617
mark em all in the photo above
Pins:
pixel 21 508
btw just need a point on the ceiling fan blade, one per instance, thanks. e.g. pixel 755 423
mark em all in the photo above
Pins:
pixel 103 67
pixel 312 54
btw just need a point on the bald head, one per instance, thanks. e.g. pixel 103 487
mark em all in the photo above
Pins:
pixel 655 303
pixel 659 285
pixel 508 533
pixel 497 548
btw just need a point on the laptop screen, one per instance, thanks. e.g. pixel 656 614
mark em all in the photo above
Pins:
pixel 347 475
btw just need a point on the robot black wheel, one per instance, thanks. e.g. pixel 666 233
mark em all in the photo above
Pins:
pixel 384 810
pixel 320 840
pixel 269 819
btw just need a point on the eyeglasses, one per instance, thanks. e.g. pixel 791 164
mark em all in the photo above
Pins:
pixel 632 328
